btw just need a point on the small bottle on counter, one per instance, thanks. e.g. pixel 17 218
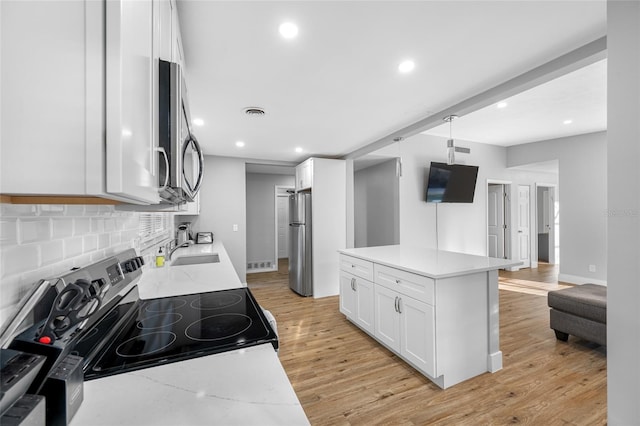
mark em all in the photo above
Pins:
pixel 160 258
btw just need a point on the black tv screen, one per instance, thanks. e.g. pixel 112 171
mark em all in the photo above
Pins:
pixel 451 183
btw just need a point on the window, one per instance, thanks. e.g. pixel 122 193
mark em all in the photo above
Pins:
pixel 153 228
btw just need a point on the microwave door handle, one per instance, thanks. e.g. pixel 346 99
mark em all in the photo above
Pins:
pixel 166 163
pixel 196 187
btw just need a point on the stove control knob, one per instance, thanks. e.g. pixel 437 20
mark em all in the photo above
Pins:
pixel 45 340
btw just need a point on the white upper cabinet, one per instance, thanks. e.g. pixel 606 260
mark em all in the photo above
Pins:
pixel 52 139
pixel 131 117
pixel 80 97
pixel 304 175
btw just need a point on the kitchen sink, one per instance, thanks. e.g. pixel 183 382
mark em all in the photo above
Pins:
pixel 196 260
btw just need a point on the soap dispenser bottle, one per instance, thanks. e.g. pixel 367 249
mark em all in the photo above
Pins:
pixel 160 258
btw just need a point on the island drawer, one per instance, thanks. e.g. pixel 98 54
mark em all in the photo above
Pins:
pixel 417 286
pixel 358 267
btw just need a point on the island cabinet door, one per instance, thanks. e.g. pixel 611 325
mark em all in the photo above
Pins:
pixel 417 325
pixel 387 317
pixel 365 305
pixel 348 295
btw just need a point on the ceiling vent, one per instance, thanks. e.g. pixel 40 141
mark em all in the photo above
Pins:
pixel 254 111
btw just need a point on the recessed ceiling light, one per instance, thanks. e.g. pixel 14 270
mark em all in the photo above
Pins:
pixel 298 149
pixel 567 122
pixel 239 144
pixel 288 30
pixel 502 104
pixel 406 66
pixel 198 122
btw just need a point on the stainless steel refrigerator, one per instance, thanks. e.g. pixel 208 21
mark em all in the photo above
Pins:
pixel 300 253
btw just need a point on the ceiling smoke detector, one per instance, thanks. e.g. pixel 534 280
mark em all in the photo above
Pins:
pixel 254 111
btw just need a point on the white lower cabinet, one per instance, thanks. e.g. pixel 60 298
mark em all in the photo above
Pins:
pixel 406 326
pixel 356 300
pixel 384 309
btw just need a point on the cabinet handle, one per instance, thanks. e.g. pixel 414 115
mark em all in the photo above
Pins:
pixel 395 304
pixel 353 284
pixel 399 305
pixel 397 281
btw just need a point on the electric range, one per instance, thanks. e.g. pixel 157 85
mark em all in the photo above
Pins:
pixel 95 312
pixel 158 331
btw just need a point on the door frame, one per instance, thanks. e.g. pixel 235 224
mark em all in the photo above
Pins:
pixel 278 191
pixel 529 227
pixel 506 185
pixel 555 232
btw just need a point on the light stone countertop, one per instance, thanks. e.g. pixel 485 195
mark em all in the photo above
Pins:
pixel 432 263
pixel 242 387
pixel 189 279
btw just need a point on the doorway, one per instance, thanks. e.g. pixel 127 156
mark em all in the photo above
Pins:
pixel 498 219
pixel 524 226
pixel 547 223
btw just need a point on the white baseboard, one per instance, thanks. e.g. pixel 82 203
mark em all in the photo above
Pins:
pixel 255 271
pixel 574 279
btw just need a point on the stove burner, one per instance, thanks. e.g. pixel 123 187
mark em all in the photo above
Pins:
pixel 156 321
pixel 216 301
pixel 161 305
pixel 218 327
pixel 145 344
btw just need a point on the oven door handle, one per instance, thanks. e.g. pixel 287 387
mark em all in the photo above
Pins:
pixel 27 304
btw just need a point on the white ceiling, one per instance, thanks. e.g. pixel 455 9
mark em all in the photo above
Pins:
pixel 336 88
pixel 539 113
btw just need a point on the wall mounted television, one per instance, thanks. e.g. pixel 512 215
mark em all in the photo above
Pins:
pixel 451 183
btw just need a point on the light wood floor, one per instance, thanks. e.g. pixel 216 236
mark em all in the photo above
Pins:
pixel 343 377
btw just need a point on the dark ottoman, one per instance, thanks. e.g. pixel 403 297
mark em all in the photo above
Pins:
pixel 580 311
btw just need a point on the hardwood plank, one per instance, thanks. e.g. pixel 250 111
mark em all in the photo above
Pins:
pixel 343 377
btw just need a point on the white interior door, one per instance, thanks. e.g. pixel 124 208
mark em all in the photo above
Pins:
pixel 496 221
pixel 524 237
pixel 550 222
pixel 283 226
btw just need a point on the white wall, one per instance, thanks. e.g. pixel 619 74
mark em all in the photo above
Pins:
pixel 461 227
pixel 223 204
pixel 261 237
pixel 623 155
pixel 583 181
pixel 376 193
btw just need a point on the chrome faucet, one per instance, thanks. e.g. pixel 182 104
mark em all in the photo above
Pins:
pixel 187 244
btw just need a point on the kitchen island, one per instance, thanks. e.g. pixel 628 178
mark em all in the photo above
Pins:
pixel 239 387
pixel 437 310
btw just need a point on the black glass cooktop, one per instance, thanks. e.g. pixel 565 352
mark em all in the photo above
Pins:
pixel 144 333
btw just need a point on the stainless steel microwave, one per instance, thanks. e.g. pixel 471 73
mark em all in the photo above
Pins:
pixel 181 164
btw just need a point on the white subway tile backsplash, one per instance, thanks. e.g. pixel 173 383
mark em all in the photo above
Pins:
pixel 62 228
pixel 45 241
pixel 34 230
pixel 109 225
pixel 8 231
pixel 18 259
pixel 51 252
pixel 90 243
pixel 104 241
pixel 82 226
pixel 72 247
pixel 51 210
pixel 97 225
pixel 75 210
pixel 18 210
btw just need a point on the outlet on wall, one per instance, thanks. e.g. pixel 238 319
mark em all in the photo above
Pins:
pixel 592 268
pixel 235 227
